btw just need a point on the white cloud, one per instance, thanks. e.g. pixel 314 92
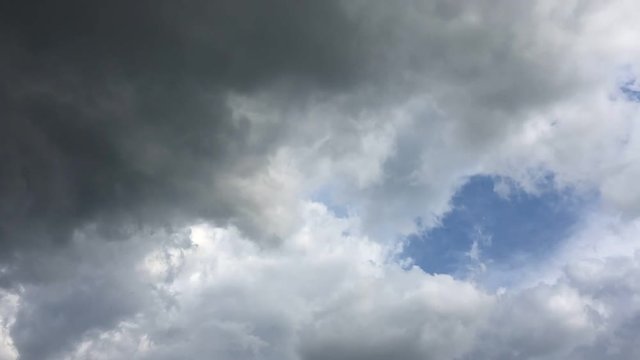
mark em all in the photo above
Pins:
pixel 327 292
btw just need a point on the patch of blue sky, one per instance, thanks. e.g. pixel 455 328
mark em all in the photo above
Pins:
pixel 325 196
pixel 495 224
pixel 631 90
pixel 628 85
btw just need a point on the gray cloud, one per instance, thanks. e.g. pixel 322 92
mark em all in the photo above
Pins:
pixel 126 120
pixel 119 113
pixel 116 112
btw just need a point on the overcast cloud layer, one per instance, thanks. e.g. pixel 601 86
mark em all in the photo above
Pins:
pixel 236 179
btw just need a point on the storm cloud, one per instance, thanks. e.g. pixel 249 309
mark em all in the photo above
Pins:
pixel 117 112
pixel 238 179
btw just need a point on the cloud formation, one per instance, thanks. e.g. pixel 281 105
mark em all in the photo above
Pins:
pixel 235 179
pixel 322 294
pixel 116 110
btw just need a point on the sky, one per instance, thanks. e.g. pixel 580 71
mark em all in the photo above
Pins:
pixel 493 225
pixel 307 180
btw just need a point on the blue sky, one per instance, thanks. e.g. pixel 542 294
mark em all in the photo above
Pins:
pixel 631 90
pixel 510 231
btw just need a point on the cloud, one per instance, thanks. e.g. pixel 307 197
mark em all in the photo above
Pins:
pixel 327 292
pixel 117 113
pixel 121 114
pixel 125 125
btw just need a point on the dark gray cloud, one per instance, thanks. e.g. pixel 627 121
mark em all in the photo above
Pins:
pixel 115 112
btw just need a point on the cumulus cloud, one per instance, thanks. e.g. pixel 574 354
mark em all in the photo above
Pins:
pixel 234 179
pixel 328 292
